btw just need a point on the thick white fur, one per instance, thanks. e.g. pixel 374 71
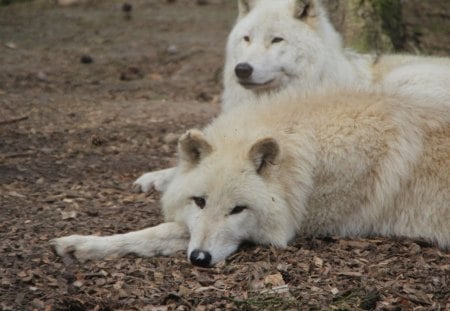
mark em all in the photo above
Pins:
pixel 164 239
pixel 427 78
pixel 353 164
pixel 309 60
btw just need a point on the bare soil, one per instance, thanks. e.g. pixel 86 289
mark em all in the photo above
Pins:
pixel 90 98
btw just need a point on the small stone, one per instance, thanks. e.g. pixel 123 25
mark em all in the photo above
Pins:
pixel 42 76
pixel 172 49
pixel 86 59
pixel 68 215
pixel 127 7
pixel 11 45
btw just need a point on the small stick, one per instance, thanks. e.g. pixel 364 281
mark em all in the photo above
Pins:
pixel 16 155
pixel 13 120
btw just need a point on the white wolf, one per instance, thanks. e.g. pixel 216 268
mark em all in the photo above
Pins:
pixel 291 46
pixel 353 164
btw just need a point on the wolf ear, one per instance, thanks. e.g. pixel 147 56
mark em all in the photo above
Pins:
pixel 193 147
pixel 245 6
pixel 264 153
pixel 305 8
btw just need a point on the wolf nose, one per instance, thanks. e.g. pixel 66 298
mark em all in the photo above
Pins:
pixel 200 258
pixel 243 70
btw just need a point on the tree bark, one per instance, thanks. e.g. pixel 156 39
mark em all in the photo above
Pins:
pixel 369 25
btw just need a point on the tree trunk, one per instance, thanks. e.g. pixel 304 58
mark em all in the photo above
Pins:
pixel 369 25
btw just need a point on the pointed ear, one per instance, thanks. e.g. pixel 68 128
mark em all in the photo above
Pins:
pixel 305 8
pixel 264 153
pixel 193 147
pixel 245 6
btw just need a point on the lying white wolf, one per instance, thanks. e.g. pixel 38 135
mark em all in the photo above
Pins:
pixel 354 164
pixel 291 45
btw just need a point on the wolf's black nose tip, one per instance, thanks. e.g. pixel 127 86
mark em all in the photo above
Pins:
pixel 200 258
pixel 243 70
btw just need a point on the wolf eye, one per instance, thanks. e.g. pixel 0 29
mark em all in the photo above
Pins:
pixel 277 39
pixel 246 38
pixel 199 201
pixel 237 209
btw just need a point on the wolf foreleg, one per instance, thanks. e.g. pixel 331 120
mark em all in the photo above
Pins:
pixel 164 239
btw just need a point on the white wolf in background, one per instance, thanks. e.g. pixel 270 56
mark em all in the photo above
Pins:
pixel 349 164
pixel 291 46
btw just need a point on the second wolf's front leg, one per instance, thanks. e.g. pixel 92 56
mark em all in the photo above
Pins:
pixel 157 180
pixel 164 239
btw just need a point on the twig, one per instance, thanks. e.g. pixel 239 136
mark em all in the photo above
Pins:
pixel 16 155
pixel 13 120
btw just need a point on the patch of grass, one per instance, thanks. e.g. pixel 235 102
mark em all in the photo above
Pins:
pixel 356 299
pixel 267 301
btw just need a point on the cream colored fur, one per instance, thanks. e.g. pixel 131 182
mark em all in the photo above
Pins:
pixel 349 164
pixel 309 59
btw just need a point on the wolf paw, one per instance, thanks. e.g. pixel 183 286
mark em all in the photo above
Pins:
pixel 157 180
pixel 145 183
pixel 81 247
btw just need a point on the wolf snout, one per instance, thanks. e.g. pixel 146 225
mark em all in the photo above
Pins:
pixel 200 258
pixel 243 70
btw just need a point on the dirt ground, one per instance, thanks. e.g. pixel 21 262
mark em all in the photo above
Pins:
pixel 90 98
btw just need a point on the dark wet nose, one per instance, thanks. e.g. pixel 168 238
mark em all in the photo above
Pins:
pixel 243 70
pixel 200 258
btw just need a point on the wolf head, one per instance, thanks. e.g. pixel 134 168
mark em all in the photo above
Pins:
pixel 228 194
pixel 277 44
